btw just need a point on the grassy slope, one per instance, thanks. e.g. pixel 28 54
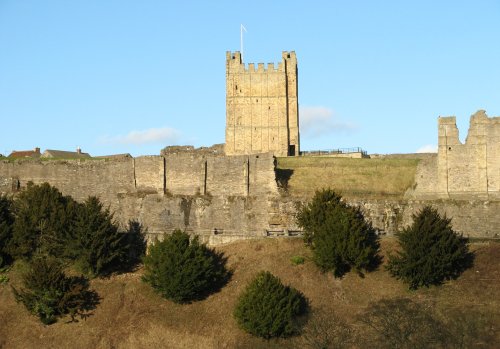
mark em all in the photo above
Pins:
pixel 132 316
pixel 352 177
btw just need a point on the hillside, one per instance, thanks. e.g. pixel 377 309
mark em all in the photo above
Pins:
pixel 381 177
pixel 130 315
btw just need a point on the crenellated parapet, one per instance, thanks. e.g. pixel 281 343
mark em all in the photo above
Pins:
pixel 234 63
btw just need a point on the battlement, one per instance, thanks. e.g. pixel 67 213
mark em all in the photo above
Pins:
pixel 235 62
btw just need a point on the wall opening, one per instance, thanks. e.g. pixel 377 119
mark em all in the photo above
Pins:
pixel 248 177
pixel 205 179
pixel 164 176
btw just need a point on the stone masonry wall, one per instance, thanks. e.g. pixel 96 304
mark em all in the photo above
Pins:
pixel 78 178
pixel 149 173
pixel 194 191
pixel 469 171
pixel 477 218
pixel 224 198
pixel 261 107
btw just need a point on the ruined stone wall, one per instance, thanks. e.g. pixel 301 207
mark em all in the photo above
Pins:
pixel 188 173
pixel 467 171
pixel 261 107
pixel 473 168
pixel 476 218
pixel 199 192
pixel 78 178
pixel 149 173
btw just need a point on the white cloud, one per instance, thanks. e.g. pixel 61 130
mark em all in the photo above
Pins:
pixel 319 121
pixel 152 135
pixel 429 148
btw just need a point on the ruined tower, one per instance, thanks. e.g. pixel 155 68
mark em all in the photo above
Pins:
pixel 262 107
pixel 472 168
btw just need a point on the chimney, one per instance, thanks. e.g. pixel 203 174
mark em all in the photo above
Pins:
pixel 37 150
pixel 78 150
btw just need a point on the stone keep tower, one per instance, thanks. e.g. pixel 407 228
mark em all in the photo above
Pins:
pixel 262 107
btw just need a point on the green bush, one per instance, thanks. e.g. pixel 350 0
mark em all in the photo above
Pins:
pixel 4 278
pixel 43 221
pixel 340 237
pixel 6 222
pixel 97 246
pixel 183 271
pixel 269 309
pixel 296 260
pixel 48 293
pixel 431 252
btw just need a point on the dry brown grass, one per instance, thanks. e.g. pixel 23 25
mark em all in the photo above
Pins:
pixel 351 177
pixel 131 315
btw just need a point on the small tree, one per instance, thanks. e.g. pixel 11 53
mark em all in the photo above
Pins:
pixel 325 329
pixel 340 237
pixel 402 323
pixel 269 309
pixel 134 245
pixel 49 293
pixel 470 327
pixel 183 271
pixel 431 252
pixel 6 222
pixel 42 221
pixel 97 246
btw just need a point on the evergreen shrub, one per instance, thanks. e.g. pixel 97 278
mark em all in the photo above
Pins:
pixel 48 293
pixel 431 252
pixel 43 221
pixel 97 246
pixel 338 234
pixel 267 308
pixel 6 223
pixel 182 270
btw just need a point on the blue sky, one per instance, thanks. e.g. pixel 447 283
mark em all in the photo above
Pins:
pixel 135 76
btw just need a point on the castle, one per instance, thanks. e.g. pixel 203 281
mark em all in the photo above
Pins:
pixel 262 113
pixel 236 195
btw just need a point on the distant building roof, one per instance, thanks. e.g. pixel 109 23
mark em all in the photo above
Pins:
pixel 114 156
pixel 35 153
pixel 62 154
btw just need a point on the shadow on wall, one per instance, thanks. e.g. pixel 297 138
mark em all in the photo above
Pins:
pixel 283 175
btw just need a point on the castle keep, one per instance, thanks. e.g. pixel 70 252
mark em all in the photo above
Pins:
pixel 262 107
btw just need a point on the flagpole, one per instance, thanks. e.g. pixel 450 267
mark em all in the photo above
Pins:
pixel 241 39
